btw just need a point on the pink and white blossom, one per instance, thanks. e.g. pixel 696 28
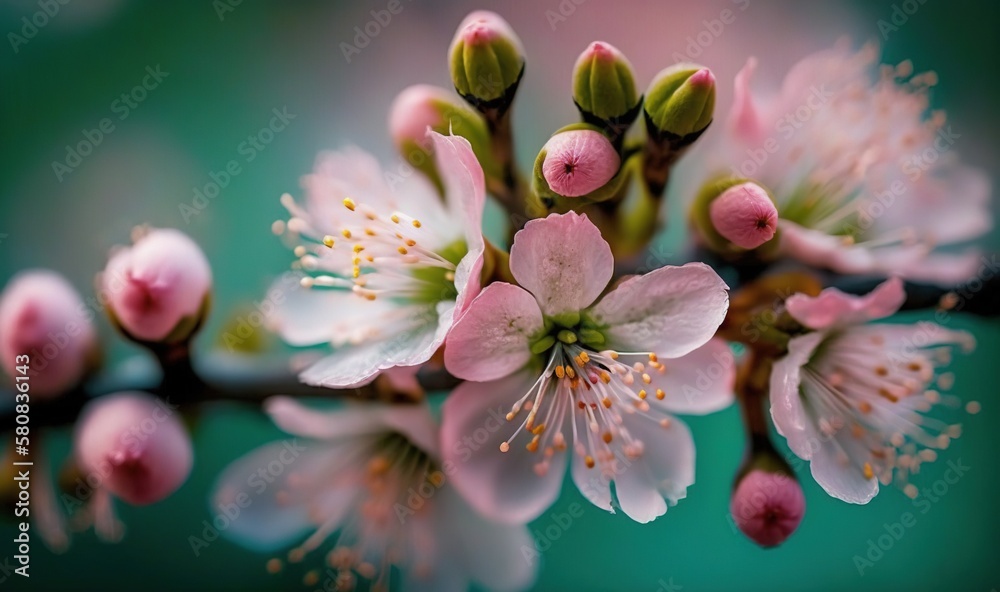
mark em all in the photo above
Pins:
pixel 867 180
pixel 853 398
pixel 368 477
pixel 569 370
pixel 389 262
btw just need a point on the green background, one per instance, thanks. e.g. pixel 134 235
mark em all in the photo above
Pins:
pixel 225 77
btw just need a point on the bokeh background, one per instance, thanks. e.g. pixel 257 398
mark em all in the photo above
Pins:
pixel 228 64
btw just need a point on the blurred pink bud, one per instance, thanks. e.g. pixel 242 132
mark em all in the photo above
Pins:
pixel 134 445
pixel 156 284
pixel 416 109
pixel 579 161
pixel 43 317
pixel 767 507
pixel 745 215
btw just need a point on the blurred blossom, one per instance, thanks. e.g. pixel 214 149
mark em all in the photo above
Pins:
pixel 865 179
pixel 853 398
pixel 550 349
pixel 767 506
pixel 158 289
pixel 391 264
pixel 136 443
pixel 43 318
pixel 370 476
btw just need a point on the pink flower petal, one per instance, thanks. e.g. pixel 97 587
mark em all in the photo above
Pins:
pixel 563 261
pixel 698 383
pixel 502 486
pixel 670 311
pixel 832 308
pixel 493 338
pixel 665 469
pixel 744 120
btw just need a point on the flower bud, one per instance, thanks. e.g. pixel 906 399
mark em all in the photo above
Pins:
pixel 604 87
pixel 43 318
pixel 745 215
pixel 158 289
pixel 767 506
pixel 578 162
pixel 423 106
pixel 735 215
pixel 135 445
pixel 680 100
pixel 486 60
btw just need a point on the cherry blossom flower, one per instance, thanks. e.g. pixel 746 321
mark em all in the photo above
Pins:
pixel 572 371
pixel 866 181
pixel 852 398
pixel 389 266
pixel 369 477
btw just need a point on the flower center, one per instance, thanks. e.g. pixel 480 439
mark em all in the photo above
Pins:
pixel 591 390
pixel 375 254
pixel 373 534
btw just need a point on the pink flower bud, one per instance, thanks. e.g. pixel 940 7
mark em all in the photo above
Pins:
pixel 578 162
pixel 156 284
pixel 767 507
pixel 134 445
pixel 42 317
pixel 745 215
pixel 416 109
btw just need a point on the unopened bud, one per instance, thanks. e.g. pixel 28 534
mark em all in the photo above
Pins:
pixel 680 100
pixel 422 107
pixel 745 215
pixel 578 162
pixel 158 289
pixel 767 506
pixel 134 445
pixel 604 88
pixel 486 60
pixel 46 335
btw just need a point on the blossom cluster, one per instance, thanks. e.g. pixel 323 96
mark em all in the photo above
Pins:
pixel 560 355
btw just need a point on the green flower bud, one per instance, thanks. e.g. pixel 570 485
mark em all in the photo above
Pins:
pixel 680 100
pixel 486 60
pixel 604 87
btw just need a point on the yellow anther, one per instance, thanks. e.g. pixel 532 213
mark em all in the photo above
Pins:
pixel 328 241
pixel 660 394
pixel 570 372
pixel 394 218
pixel 614 355
pixel 865 407
pixel 370 258
pixel 410 242
pixel 533 445
pixel 607 437
pixel 346 233
pixel 560 371
pixel 356 271
pixel 605 377
pixel 358 248
pixel 417 224
pixel 646 378
pixel 584 357
pixel 589 461
pixel 349 203
pixel 538 429
pixel 642 394
pixel 402 250
pixel 868 471
pixel 652 357
pixel 606 402
pixel 369 232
